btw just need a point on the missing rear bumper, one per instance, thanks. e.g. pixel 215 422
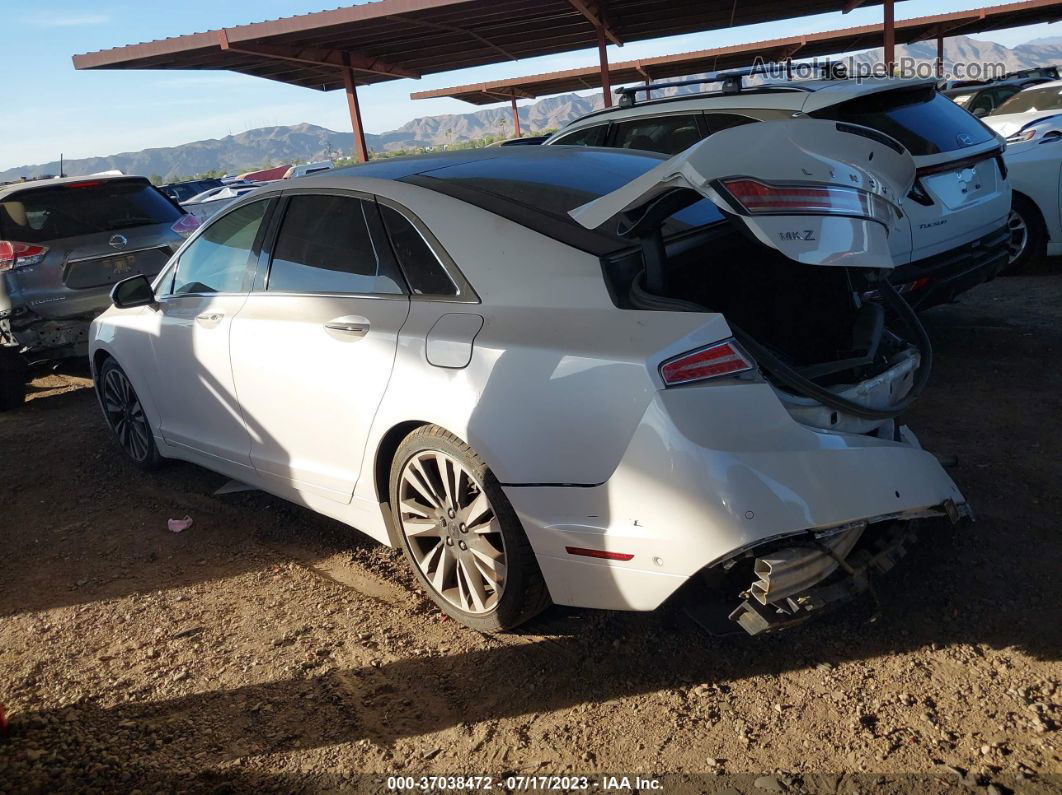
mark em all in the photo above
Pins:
pixel 814 573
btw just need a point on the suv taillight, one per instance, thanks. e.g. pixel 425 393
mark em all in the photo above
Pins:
pixel 764 198
pixel 18 255
pixel 722 358
pixel 185 225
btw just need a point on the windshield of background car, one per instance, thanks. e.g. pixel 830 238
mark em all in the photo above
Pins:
pixel 926 122
pixel 555 186
pixel 39 215
pixel 1032 99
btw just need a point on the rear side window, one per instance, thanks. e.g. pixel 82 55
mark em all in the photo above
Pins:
pixel 217 260
pixel 324 246
pixel 423 271
pixel 588 136
pixel 717 122
pixel 91 207
pixel 1032 99
pixel 668 135
pixel 925 122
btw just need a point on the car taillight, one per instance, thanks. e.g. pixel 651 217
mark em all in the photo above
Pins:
pixel 763 198
pixel 18 255
pixel 185 225
pixel 722 358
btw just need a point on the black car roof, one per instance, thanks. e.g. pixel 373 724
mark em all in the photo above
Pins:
pixel 534 186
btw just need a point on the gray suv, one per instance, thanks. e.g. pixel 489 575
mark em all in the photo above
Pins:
pixel 63 244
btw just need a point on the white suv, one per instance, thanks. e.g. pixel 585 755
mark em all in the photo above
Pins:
pixel 955 235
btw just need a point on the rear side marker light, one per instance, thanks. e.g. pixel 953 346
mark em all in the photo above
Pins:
pixel 598 553
pixel 763 198
pixel 722 358
pixel 185 225
pixel 19 255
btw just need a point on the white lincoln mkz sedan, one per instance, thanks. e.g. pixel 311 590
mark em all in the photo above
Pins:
pixel 559 374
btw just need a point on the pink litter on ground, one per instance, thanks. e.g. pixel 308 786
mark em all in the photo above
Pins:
pixel 179 525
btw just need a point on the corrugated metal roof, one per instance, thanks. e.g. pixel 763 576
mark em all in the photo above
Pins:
pixel 976 20
pixel 390 39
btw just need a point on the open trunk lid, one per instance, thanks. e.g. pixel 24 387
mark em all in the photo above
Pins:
pixel 820 192
pixel 824 196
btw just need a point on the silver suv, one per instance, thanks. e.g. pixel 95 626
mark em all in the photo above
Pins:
pixel 63 244
pixel 955 235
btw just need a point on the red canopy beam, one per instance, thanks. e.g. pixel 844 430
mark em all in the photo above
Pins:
pixel 315 57
pixel 597 20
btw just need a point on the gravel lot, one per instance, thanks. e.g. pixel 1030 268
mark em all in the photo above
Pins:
pixel 269 648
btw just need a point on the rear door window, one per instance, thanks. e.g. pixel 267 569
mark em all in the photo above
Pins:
pixel 717 122
pixel 422 269
pixel 588 136
pixel 218 260
pixel 39 215
pixel 925 122
pixel 668 135
pixel 324 246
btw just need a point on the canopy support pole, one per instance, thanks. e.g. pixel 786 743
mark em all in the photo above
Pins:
pixel 606 86
pixel 940 57
pixel 890 37
pixel 361 151
pixel 516 117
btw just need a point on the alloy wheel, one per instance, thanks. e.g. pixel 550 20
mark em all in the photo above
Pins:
pixel 125 415
pixel 452 531
pixel 1019 236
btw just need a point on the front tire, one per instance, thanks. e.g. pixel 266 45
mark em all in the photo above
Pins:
pixel 461 536
pixel 126 418
pixel 13 370
pixel 1028 236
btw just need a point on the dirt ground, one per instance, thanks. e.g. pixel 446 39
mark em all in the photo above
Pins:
pixel 268 648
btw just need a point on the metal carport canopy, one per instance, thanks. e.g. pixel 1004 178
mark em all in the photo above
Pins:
pixel 392 39
pixel 908 31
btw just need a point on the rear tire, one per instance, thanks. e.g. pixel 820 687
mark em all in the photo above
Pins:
pixel 13 370
pixel 126 418
pixel 1028 236
pixel 461 535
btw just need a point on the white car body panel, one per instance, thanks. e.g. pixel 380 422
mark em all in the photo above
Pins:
pixel 1035 170
pixel 1009 123
pixel 796 156
pixel 561 396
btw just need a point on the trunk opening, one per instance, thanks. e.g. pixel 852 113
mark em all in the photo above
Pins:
pixel 808 317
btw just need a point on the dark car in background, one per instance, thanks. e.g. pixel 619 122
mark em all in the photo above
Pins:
pixel 183 191
pixel 63 244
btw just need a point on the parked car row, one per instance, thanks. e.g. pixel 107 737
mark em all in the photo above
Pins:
pixel 670 349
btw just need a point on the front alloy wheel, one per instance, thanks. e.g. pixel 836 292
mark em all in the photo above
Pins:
pixel 1028 236
pixel 125 416
pixel 463 539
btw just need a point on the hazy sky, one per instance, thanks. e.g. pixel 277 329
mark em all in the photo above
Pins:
pixel 50 109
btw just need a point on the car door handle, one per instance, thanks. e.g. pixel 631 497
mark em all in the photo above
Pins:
pixel 352 326
pixel 209 317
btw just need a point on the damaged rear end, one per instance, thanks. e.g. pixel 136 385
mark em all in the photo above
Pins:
pixel 812 508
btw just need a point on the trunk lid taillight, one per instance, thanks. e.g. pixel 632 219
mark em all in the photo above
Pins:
pixel 758 197
pixel 19 255
pixel 718 359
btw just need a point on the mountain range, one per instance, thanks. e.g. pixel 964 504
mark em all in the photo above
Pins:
pixel 308 142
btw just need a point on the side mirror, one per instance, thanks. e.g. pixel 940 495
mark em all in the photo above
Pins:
pixel 979 112
pixel 132 292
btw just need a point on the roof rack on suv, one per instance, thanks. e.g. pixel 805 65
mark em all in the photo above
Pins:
pixel 732 80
